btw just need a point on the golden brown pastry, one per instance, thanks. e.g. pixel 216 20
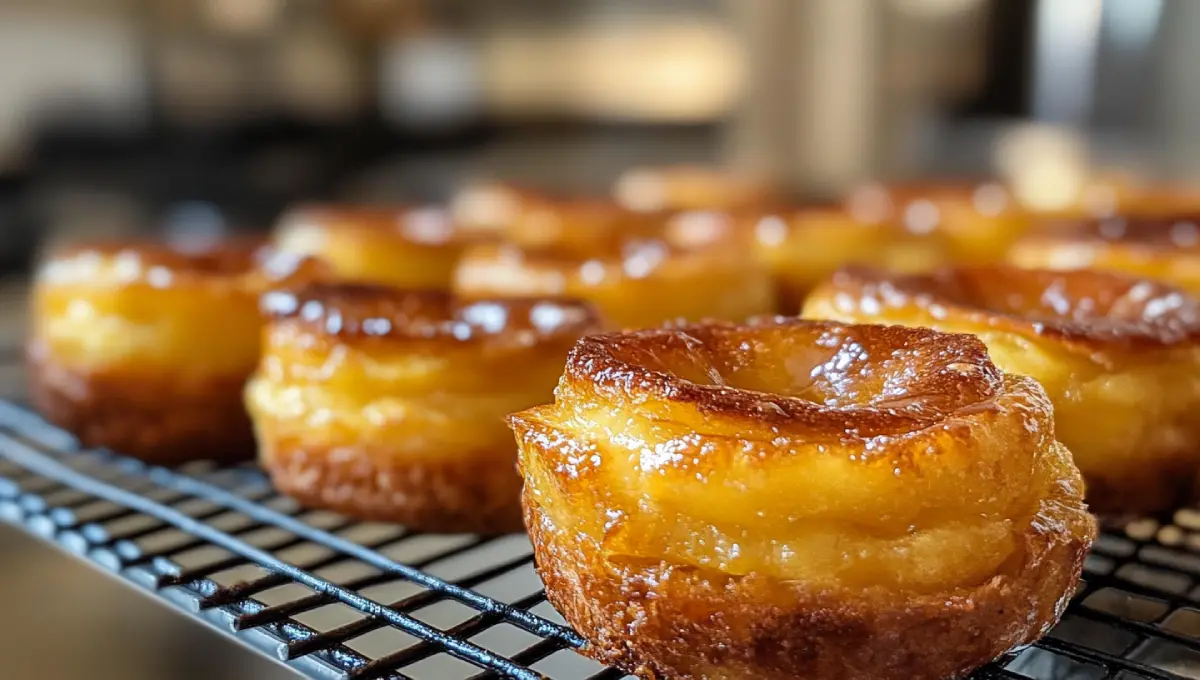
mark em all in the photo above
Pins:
pixel 406 247
pixel 690 187
pixel 533 218
pixel 579 222
pixel 1155 200
pixel 979 221
pixel 804 246
pixel 487 208
pixel 1114 194
pixel 389 405
pixel 800 499
pixel 1119 357
pixel 1163 249
pixel 144 349
pixel 694 268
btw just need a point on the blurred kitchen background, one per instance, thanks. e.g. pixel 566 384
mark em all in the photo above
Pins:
pixel 118 115
pixel 125 115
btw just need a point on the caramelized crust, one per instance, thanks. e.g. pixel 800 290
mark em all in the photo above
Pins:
pixel 486 208
pixel 804 246
pixel 1166 249
pixel 979 221
pixel 534 218
pixel 660 621
pixel 693 267
pixel 1119 357
pixel 389 404
pixel 411 247
pixel 472 494
pixel 1157 201
pixel 144 349
pixel 579 223
pixel 1115 194
pixel 153 415
pixel 690 187
pixel 799 499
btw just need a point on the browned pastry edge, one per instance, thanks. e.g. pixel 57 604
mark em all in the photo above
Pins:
pixel 663 622
pixel 160 418
pixel 227 257
pixel 894 197
pixel 243 265
pixel 958 290
pixel 348 311
pixel 387 221
pixel 613 366
pixel 1165 234
pixel 477 494
pixel 731 189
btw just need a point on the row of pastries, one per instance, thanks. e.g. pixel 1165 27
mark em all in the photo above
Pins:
pixel 754 440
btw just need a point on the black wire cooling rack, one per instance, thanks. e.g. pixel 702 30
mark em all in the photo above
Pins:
pixel 335 598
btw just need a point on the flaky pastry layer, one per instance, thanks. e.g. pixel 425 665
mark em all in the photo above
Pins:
pixel 389 404
pixel 803 247
pixel 1119 357
pixel 979 221
pixel 148 305
pixel 694 267
pixel 1163 249
pixel 826 487
pixel 411 247
pixel 690 187
pixel 153 414
pixel 144 348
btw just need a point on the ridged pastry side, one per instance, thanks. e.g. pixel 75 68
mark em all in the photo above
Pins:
pixel 144 348
pixel 694 268
pixel 691 187
pixel 802 247
pixel 410 246
pixel 800 499
pixel 1161 249
pixel 388 404
pixel 979 220
pixel 1119 357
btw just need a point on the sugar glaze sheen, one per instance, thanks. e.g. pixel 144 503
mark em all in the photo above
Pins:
pixel 388 404
pixel 1119 357
pixel 122 349
pixel 789 498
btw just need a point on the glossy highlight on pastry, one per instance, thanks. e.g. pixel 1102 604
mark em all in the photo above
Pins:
pixel 793 498
pixel 1119 357
pixel 414 247
pixel 578 222
pixel 692 267
pixel 1164 249
pixel 144 348
pixel 804 246
pixel 1113 194
pixel 690 187
pixel 978 220
pixel 389 405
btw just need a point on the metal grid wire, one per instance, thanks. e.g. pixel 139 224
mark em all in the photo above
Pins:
pixel 335 598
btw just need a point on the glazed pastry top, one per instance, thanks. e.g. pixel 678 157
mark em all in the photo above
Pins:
pixel 235 262
pixel 419 225
pixel 1086 309
pixel 141 306
pixel 347 311
pixel 609 254
pixel 845 455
